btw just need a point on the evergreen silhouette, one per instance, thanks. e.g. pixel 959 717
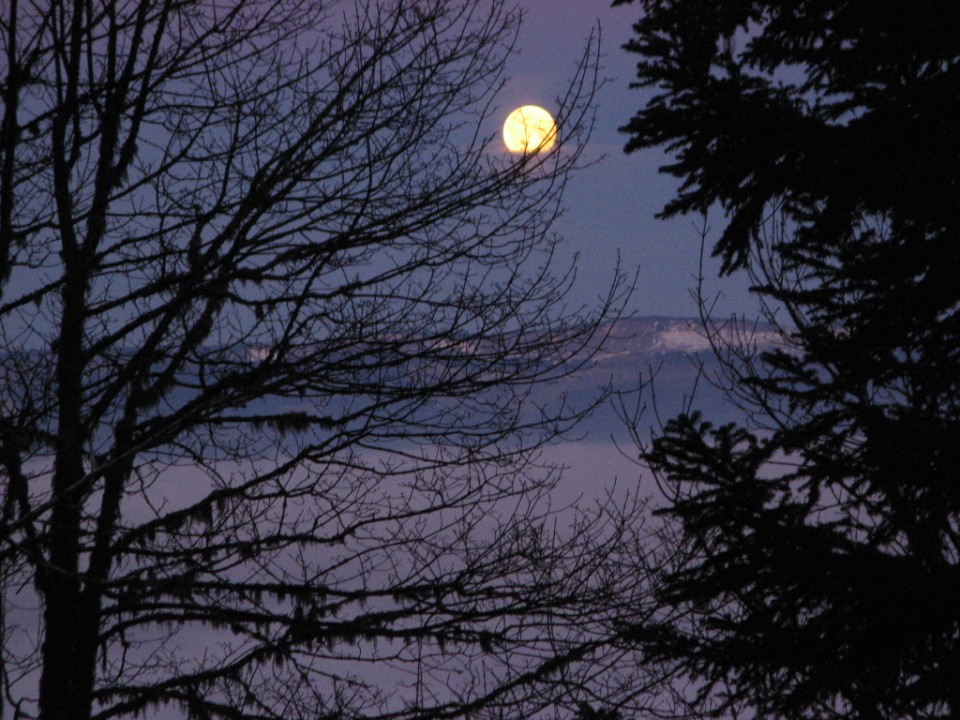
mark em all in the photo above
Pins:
pixel 820 540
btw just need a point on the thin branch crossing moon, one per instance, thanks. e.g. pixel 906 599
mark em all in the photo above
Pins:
pixel 529 129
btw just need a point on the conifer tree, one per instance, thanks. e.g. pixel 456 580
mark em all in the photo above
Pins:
pixel 822 540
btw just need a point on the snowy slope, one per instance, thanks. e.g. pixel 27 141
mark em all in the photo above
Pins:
pixel 669 359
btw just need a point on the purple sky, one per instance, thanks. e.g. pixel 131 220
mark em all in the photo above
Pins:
pixel 611 206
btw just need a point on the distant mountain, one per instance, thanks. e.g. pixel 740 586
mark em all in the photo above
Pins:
pixel 669 360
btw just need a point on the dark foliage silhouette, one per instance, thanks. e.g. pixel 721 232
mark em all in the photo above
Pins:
pixel 820 541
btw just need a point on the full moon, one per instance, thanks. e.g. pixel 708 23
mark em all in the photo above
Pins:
pixel 529 129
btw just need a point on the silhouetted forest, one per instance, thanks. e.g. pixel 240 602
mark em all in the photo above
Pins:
pixel 285 344
pixel 820 537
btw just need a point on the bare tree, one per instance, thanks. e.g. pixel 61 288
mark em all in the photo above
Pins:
pixel 270 312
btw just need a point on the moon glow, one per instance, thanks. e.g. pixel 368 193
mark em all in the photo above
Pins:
pixel 529 129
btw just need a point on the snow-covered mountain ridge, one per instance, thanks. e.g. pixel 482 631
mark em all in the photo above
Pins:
pixel 653 335
pixel 667 356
